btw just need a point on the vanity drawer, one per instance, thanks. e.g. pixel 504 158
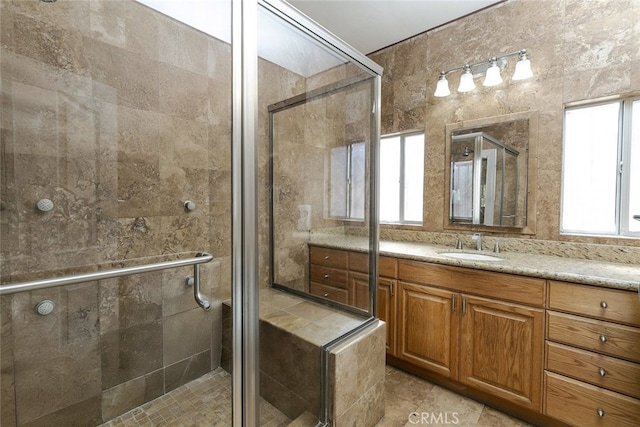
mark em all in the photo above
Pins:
pixel 608 304
pixel 603 337
pixel 359 261
pixel 604 371
pixel 583 405
pixel 328 257
pixel 329 292
pixel 387 267
pixel 329 276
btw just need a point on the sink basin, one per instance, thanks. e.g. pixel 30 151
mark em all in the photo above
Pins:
pixel 471 256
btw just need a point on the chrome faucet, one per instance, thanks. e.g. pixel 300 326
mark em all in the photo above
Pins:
pixel 478 238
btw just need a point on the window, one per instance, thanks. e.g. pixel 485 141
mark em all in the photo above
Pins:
pixel 401 178
pixel 347 181
pixel 601 169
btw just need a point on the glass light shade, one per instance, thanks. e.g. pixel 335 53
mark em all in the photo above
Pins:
pixel 493 77
pixel 442 88
pixel 523 70
pixel 466 81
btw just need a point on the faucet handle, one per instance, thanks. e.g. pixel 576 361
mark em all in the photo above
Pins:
pixel 478 238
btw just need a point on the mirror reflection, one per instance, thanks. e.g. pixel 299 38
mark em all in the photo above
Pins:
pixel 484 180
pixel 488 174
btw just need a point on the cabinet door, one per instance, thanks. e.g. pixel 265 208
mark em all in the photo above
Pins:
pixel 428 332
pixel 359 289
pixel 387 310
pixel 501 349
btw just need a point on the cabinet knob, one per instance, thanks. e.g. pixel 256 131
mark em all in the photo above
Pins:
pixel 326 257
pixel 600 412
pixel 603 304
pixel 326 295
pixel 602 372
pixel 326 276
pixel 603 338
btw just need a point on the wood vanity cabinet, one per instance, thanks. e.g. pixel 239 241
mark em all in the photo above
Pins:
pixel 387 291
pixel 593 356
pixel 473 327
pixel 328 274
pixel 343 276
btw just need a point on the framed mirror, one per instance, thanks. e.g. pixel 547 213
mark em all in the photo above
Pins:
pixel 490 174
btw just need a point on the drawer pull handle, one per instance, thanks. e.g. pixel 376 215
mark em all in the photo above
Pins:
pixel 602 372
pixel 600 412
pixel 326 257
pixel 326 295
pixel 603 338
pixel 603 304
pixel 326 276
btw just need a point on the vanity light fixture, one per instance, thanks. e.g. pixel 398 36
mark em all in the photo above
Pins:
pixel 491 68
pixel 523 67
pixel 442 88
pixel 466 80
pixel 493 77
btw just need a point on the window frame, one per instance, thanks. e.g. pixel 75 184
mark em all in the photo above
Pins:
pixel 401 201
pixel 348 184
pixel 623 175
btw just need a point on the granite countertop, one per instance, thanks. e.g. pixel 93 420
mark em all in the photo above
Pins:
pixel 587 272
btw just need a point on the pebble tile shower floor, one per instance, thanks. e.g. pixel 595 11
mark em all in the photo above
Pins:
pixel 206 402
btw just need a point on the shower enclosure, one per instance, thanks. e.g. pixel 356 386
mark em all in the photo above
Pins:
pixel 135 194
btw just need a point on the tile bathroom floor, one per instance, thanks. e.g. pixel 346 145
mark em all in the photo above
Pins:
pixel 410 399
pixel 206 402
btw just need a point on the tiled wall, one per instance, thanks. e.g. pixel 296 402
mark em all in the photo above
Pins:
pixel 579 50
pixel 117 114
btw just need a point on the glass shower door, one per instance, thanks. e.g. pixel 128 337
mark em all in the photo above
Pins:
pixel 115 114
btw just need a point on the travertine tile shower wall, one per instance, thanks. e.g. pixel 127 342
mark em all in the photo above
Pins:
pixel 579 50
pixel 117 114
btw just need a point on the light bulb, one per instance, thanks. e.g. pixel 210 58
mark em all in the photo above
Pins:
pixel 523 67
pixel 492 78
pixel 442 88
pixel 466 80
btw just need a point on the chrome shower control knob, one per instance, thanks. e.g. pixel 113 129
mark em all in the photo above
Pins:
pixel 189 205
pixel 45 307
pixel 44 205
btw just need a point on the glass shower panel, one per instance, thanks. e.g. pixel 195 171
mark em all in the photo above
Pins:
pixel 318 136
pixel 114 114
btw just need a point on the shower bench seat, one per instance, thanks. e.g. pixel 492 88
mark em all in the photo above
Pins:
pixel 293 335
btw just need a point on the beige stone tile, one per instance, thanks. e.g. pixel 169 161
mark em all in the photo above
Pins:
pixel 183 94
pixel 493 418
pixel 134 77
pixel 401 385
pixel 286 321
pixel 444 407
pixel 185 334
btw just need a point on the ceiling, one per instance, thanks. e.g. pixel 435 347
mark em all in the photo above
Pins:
pixel 370 25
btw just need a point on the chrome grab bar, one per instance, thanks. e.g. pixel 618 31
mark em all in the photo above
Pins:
pixel 200 258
